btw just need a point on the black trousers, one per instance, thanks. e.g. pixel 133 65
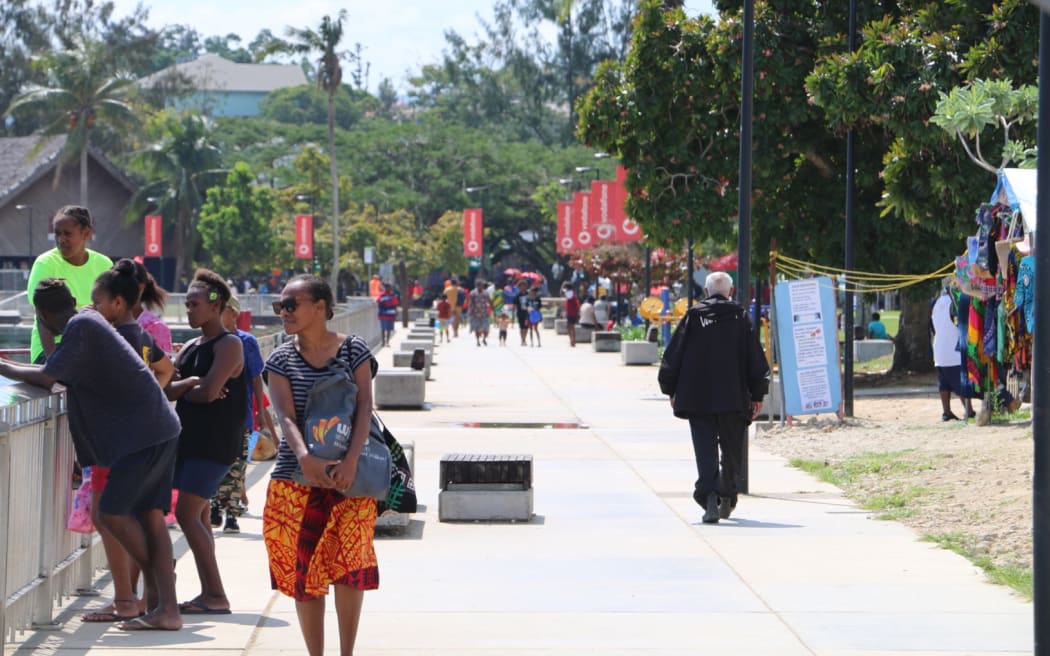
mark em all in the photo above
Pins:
pixel 712 433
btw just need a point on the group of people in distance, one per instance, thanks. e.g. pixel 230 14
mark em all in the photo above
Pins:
pixel 146 425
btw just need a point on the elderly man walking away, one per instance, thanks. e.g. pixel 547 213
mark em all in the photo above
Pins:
pixel 716 374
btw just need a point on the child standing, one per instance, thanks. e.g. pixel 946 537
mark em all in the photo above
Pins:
pixel 503 322
pixel 444 310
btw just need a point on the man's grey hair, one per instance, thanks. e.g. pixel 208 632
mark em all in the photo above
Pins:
pixel 719 283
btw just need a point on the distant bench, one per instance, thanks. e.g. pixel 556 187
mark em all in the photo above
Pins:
pixel 485 487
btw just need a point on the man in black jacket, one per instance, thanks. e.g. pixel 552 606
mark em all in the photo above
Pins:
pixel 716 374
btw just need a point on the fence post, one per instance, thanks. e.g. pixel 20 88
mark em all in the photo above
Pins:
pixel 44 595
pixel 5 520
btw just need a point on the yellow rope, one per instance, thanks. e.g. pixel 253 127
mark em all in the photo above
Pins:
pixel 858 281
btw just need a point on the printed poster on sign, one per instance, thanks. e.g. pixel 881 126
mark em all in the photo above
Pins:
pixel 808 337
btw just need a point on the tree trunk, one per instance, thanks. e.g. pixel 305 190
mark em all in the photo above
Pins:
pixel 84 177
pixel 181 248
pixel 911 347
pixel 335 194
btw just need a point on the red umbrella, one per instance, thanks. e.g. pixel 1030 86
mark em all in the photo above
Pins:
pixel 512 272
pixel 531 275
pixel 724 263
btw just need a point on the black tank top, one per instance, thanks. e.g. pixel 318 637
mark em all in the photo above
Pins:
pixel 211 431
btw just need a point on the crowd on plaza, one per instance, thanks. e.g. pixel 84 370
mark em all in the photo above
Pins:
pixel 159 427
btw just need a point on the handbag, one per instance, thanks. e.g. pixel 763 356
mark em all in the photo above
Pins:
pixel 535 317
pixel 330 409
pixel 80 514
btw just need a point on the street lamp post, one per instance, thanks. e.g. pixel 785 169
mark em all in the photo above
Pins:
pixel 585 169
pixel 30 208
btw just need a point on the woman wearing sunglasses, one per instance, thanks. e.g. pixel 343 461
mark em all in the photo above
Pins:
pixel 211 393
pixel 317 538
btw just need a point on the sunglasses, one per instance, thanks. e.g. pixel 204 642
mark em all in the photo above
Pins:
pixel 288 304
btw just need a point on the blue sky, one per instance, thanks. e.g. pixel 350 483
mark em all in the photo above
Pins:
pixel 402 36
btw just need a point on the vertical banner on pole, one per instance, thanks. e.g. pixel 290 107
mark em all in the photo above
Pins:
pixel 629 230
pixel 605 225
pixel 304 236
pixel 472 232
pixel 154 236
pixel 581 206
pixel 566 232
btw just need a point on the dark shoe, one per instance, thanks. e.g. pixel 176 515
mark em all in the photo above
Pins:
pixel 231 525
pixel 216 516
pixel 949 416
pixel 711 514
pixel 726 506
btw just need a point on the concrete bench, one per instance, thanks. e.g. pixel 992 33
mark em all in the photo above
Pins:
pixel 607 341
pixel 399 388
pixel 420 335
pixel 548 322
pixel 583 335
pixel 413 344
pixel 636 352
pixel 10 317
pixel 415 313
pixel 869 349
pixel 404 359
pixel 394 523
pixel 771 408
pixel 483 487
pixel 561 326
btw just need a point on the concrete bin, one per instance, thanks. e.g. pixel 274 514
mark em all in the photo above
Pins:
pixel 606 341
pixel 561 326
pixel 404 359
pixel 869 349
pixel 399 388
pixel 638 352
pixel 583 335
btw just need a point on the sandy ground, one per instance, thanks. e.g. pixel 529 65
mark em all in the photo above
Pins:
pixel 966 480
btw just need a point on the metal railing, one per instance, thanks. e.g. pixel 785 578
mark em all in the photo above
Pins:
pixel 40 561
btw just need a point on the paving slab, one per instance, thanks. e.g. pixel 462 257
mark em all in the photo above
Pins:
pixel 615 560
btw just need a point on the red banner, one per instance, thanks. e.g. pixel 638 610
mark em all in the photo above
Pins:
pixel 304 236
pixel 582 213
pixel 608 215
pixel 566 242
pixel 472 232
pixel 154 236
pixel 629 230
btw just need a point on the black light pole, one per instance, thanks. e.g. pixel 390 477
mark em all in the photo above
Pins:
pixel 1041 364
pixel 30 208
pixel 743 247
pixel 851 194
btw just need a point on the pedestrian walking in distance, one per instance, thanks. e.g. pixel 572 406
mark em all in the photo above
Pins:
pixel 716 374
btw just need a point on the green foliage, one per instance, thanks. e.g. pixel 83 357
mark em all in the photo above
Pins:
pixel 235 223
pixel 182 162
pixel 967 113
pixel 304 104
pixel 1016 577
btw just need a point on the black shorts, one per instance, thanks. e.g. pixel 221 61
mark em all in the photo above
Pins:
pixel 572 321
pixel 523 320
pixel 140 481
pixel 949 379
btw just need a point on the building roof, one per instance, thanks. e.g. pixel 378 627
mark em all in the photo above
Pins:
pixel 211 72
pixel 20 167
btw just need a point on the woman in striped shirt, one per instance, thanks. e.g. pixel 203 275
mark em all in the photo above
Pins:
pixel 316 537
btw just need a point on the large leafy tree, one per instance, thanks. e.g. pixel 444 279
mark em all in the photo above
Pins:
pixel 178 168
pixel 910 54
pixel 324 42
pixel 81 92
pixel 235 223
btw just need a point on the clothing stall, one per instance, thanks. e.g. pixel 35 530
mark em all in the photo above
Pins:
pixel 994 282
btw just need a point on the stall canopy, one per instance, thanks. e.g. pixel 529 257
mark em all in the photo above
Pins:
pixel 1019 185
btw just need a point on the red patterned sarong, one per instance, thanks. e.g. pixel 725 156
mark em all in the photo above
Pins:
pixel 316 538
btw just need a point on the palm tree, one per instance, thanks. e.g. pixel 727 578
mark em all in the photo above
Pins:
pixel 81 93
pixel 325 41
pixel 180 167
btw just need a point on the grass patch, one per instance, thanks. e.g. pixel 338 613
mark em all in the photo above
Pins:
pixel 876 366
pixel 895 505
pixel 846 473
pixel 1015 577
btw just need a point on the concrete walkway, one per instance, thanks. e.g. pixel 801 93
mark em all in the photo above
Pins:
pixel 616 560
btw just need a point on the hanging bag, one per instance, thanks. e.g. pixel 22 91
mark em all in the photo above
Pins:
pixel 330 409
pixel 1003 246
pixel 79 520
